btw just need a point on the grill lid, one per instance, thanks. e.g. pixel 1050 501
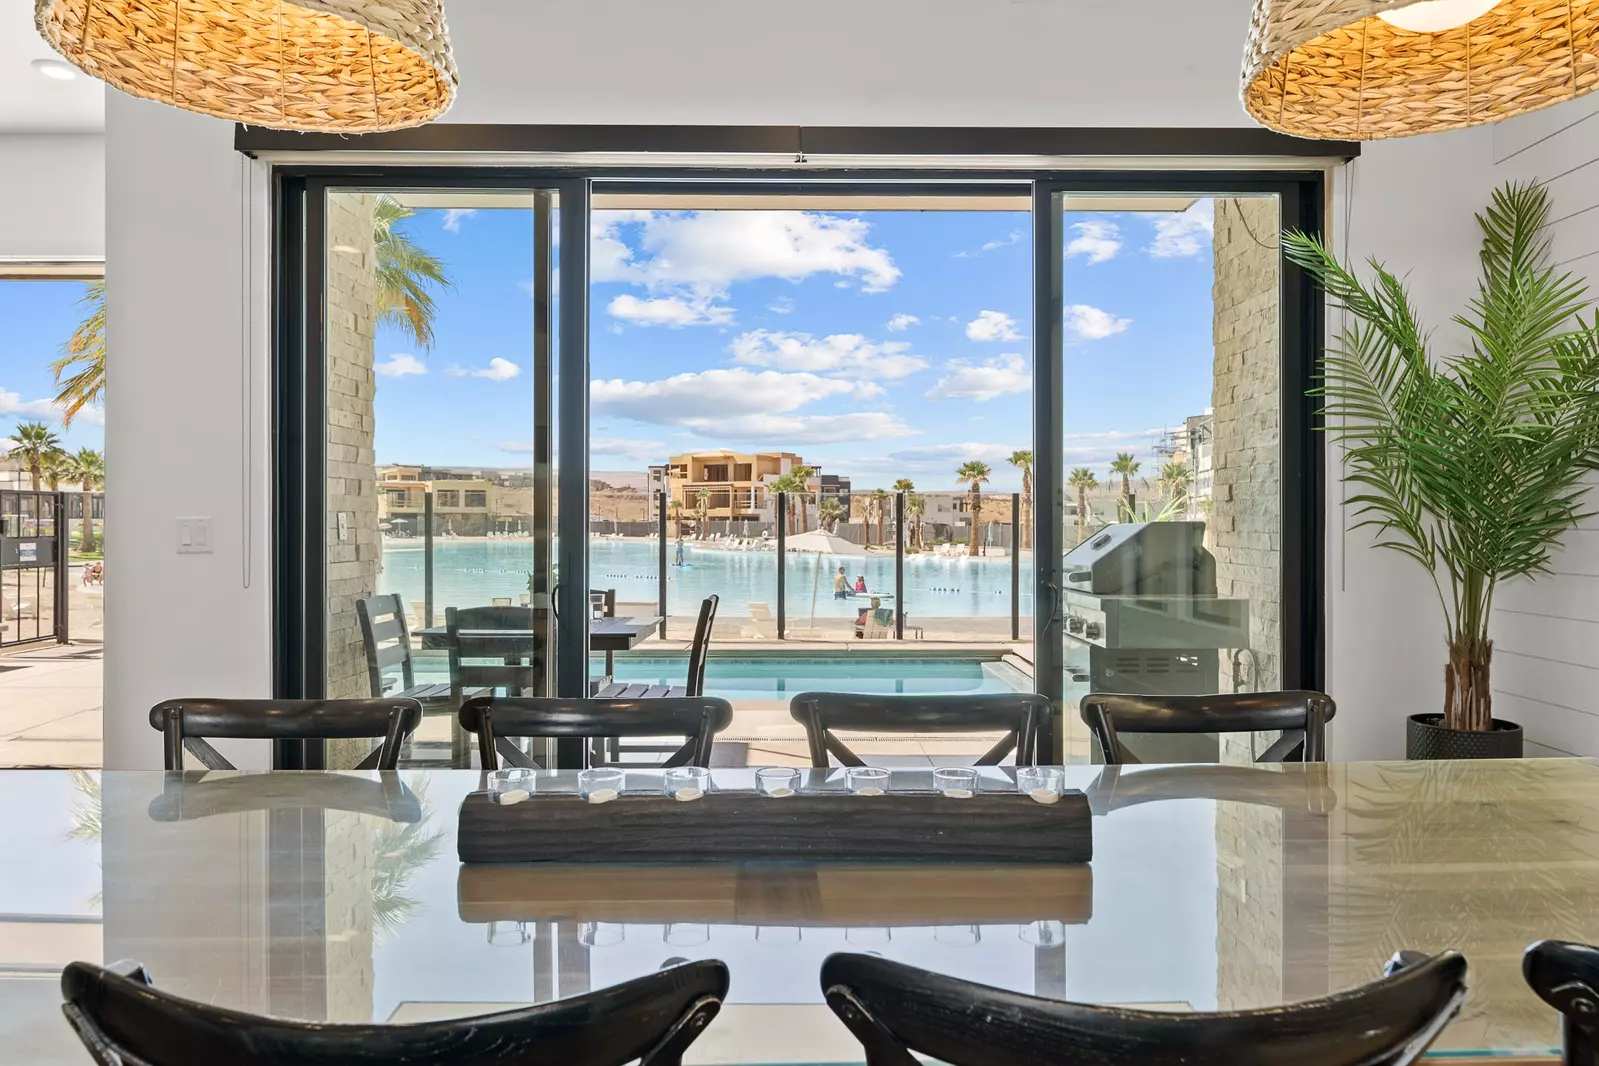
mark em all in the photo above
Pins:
pixel 1143 559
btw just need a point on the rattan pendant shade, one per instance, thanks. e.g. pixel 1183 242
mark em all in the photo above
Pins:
pixel 348 66
pixel 1333 69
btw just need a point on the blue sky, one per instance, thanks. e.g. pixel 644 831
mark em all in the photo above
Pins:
pixel 877 345
pixel 35 318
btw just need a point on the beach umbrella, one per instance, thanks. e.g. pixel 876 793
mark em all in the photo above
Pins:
pixel 822 543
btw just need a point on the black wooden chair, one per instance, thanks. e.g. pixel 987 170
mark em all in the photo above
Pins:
pixel 1021 715
pixel 184 725
pixel 122 1019
pixel 1301 715
pixel 894 1009
pixel 1566 976
pixel 697 654
pixel 387 641
pixel 696 718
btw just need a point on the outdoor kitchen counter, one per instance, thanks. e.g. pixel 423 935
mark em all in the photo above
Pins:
pixel 340 898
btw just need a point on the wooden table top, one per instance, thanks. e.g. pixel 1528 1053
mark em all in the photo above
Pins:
pixel 339 897
pixel 621 633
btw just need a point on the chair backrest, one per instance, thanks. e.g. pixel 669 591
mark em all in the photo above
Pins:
pixel 696 718
pixel 651 1020
pixel 1301 715
pixel 185 723
pixel 700 649
pixel 1021 715
pixel 1566 976
pixel 894 1009
pixel 386 639
pixel 602 603
pixel 504 635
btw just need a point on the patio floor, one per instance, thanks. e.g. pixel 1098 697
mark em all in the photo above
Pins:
pixel 50 705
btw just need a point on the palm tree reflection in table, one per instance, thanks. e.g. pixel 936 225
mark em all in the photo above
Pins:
pixel 1082 479
pixel 974 473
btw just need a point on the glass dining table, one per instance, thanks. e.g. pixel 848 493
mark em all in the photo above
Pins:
pixel 338 897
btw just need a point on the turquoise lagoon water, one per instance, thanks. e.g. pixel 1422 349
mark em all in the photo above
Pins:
pixel 774 678
pixel 472 573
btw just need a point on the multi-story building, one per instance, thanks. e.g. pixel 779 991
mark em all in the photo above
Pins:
pixel 736 484
pixel 468 503
pixel 1201 429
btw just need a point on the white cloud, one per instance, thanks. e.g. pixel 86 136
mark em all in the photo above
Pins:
pixel 497 370
pixel 400 365
pixel 454 215
pixel 842 354
pixel 12 404
pixel 993 378
pixel 707 251
pixel 902 322
pixel 1013 237
pixel 783 305
pixel 1092 324
pixel 805 430
pixel 992 326
pixel 671 311
pixel 1178 236
pixel 1099 241
pixel 712 396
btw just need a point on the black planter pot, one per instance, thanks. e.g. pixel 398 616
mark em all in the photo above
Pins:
pixel 1426 739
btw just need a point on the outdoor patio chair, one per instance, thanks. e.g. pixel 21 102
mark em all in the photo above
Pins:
pixel 1301 715
pixel 762 625
pixel 390 671
pixel 695 719
pixel 184 725
pixel 1020 716
pixel 121 1017
pixel 894 1010
pixel 492 648
pixel 698 652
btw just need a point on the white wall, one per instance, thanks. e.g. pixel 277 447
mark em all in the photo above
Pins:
pixel 52 196
pixel 186 425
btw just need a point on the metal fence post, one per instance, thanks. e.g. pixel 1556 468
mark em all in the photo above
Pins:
pixel 782 566
pixel 427 558
pixel 899 566
pixel 63 567
pixel 1016 566
pixel 661 594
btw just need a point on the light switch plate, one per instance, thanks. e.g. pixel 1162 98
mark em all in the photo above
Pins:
pixel 195 536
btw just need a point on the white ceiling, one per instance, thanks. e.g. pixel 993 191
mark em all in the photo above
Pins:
pixel 31 102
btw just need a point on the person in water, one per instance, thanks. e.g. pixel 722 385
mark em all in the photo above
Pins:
pixel 860 583
pixel 840 585
pixel 679 560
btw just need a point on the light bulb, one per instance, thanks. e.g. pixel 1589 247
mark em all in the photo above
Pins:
pixel 54 68
pixel 1435 16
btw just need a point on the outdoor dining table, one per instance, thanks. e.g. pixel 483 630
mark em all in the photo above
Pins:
pixel 609 635
pixel 339 898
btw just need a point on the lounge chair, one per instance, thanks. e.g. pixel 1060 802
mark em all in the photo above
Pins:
pixel 762 625
pixel 875 628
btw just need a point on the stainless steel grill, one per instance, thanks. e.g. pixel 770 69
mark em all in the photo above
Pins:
pixel 1142 597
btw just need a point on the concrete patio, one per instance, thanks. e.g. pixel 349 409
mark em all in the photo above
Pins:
pixel 50 700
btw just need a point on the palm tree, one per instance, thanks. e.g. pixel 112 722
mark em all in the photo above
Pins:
pixel 974 473
pixel 915 507
pixel 1125 465
pixel 828 513
pixel 796 491
pixel 908 487
pixel 702 507
pixel 677 517
pixel 1024 461
pixel 87 468
pixel 1174 477
pixel 83 358
pixel 406 275
pixel 32 443
pixel 880 500
pixel 56 465
pixel 1082 479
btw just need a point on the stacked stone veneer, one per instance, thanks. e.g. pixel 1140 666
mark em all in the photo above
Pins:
pixel 347 914
pixel 354 561
pixel 1245 517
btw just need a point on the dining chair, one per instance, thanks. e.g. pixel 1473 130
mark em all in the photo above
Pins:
pixel 1019 715
pixel 121 1019
pixel 387 641
pixel 492 648
pixel 185 724
pixel 697 719
pixel 1301 715
pixel 895 1010
pixel 698 654
pixel 1566 976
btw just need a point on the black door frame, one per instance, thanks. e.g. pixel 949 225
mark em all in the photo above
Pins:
pixel 299 508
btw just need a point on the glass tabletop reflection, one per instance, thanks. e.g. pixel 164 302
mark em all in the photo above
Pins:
pixel 338 897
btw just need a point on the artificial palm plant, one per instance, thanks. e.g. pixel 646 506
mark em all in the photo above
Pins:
pixel 1470 463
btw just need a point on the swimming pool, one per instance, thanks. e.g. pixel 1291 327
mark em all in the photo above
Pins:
pixel 777 678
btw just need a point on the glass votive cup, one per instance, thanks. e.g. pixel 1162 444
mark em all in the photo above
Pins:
pixel 866 780
pixel 684 783
pixel 601 934
pixel 958 936
pixel 777 781
pixel 1043 783
pixel 1045 933
pixel 686 934
pixel 956 782
pixel 511 785
pixel 509 934
pixel 600 784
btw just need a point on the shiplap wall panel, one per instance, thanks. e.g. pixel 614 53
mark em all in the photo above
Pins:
pixel 1546 632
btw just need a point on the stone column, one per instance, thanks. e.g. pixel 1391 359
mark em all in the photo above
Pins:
pixel 354 549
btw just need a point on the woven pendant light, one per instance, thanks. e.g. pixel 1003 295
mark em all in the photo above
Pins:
pixel 347 66
pixel 1340 69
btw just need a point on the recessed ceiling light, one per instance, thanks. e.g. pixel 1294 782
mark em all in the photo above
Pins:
pixel 54 68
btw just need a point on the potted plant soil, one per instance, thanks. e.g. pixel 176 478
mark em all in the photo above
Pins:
pixel 1470 463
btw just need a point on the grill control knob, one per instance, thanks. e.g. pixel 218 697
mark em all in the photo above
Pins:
pixel 1093 631
pixel 1074 624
